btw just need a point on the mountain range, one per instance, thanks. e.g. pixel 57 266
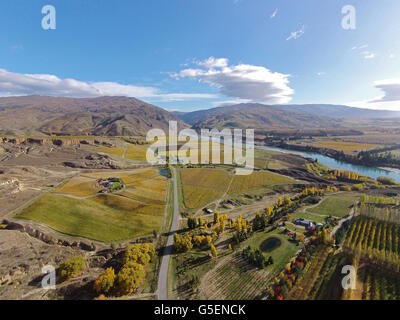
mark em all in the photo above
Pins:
pixel 108 116
pixel 123 116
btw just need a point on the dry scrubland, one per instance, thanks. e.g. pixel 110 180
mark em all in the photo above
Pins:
pixel 104 217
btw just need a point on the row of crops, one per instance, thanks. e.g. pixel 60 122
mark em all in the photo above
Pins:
pixel 380 285
pixel 376 240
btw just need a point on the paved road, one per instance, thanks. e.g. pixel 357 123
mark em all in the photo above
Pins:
pixel 162 287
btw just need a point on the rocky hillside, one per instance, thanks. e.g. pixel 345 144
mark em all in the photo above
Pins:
pixel 255 116
pixel 111 116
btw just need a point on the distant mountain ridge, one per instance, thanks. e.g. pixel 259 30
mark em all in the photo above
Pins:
pixel 325 113
pixel 112 116
pixel 123 116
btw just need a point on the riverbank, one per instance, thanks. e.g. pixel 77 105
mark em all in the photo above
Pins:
pixel 331 162
pixel 335 154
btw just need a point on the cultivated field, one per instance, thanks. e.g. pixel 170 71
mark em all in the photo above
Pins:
pixel 135 211
pixel 377 285
pixel 208 178
pixel 234 278
pixel 136 153
pixel 196 197
pixel 344 146
pixel 202 186
pixel 80 186
pixel 112 151
pixel 101 219
pixel 320 278
pixel 257 180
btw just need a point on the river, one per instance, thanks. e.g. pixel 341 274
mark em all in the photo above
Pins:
pixel 372 172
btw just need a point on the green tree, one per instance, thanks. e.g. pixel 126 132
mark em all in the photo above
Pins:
pixel 72 267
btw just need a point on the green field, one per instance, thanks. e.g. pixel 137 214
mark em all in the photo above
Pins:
pixel 102 219
pixel 315 218
pixel 135 211
pixel 338 205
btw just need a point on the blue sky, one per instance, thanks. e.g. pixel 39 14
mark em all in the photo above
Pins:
pixel 192 54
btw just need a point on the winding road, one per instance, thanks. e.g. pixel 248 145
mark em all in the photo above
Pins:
pixel 162 287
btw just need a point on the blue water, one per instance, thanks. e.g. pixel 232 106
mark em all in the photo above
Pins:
pixel 164 172
pixel 372 172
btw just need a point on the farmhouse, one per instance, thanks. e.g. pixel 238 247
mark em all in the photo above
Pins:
pixel 308 224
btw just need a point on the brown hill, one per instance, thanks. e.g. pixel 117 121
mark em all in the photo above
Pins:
pixel 256 116
pixel 111 116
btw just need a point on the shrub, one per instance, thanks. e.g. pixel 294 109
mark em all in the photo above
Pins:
pixel 387 181
pixel 72 267
pixel 192 223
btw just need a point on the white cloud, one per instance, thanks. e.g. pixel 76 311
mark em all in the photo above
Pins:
pixel 390 88
pixel 392 56
pixel 273 15
pixel 321 73
pixel 213 63
pixel 368 55
pixel 297 34
pixel 390 100
pixel 243 81
pixel 364 46
pixel 12 84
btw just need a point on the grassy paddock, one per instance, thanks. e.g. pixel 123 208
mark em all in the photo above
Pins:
pixel 338 205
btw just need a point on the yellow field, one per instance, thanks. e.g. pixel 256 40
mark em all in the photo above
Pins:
pixel 136 153
pixel 196 197
pixel 79 186
pixel 139 176
pixel 344 146
pixel 156 185
pixel 126 176
pixel 113 151
pixel 141 196
pixel 257 180
pixel 152 190
pixel 136 211
pixel 209 178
